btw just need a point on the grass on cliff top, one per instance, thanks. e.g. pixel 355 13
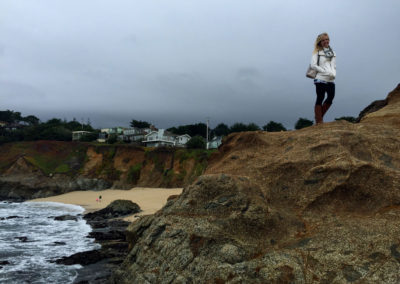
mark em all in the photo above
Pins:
pixel 48 156
pixel 196 154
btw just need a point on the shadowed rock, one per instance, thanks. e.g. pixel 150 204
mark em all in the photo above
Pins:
pixel 116 208
pixel 66 218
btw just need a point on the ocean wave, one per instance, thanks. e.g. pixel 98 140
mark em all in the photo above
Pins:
pixel 31 239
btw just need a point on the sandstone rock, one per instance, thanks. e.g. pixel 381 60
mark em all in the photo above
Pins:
pixel 316 205
pixel 374 106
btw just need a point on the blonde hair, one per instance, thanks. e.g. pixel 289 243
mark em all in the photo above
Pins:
pixel 317 45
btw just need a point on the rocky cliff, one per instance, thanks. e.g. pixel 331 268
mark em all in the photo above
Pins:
pixel 45 168
pixel 318 205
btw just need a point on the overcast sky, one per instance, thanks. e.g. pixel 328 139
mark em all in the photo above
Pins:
pixel 180 62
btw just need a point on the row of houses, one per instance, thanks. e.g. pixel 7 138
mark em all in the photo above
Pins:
pixel 149 137
pixel 11 126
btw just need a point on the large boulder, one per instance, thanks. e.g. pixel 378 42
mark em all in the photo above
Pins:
pixel 117 208
pixel 321 204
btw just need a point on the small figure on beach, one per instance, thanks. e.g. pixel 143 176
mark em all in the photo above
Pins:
pixel 324 62
pixel 99 198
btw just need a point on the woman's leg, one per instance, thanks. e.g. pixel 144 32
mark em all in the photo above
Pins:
pixel 320 90
pixel 330 89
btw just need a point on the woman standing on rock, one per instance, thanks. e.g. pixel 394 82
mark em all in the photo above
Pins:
pixel 324 62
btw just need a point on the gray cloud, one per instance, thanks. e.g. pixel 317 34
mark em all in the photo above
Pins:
pixel 180 62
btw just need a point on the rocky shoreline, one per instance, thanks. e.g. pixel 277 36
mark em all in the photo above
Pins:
pixel 22 187
pixel 108 231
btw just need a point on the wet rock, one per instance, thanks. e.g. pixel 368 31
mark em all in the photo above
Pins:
pixel 99 264
pixel 117 208
pixel 22 239
pixel 66 218
pixel 4 262
pixel 107 235
pixel 83 258
pixel 13 217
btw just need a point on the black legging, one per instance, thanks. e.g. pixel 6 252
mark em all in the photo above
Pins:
pixel 323 88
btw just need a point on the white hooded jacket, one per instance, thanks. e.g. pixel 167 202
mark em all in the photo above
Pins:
pixel 326 68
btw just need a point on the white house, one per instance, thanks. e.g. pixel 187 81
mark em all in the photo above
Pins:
pixel 159 138
pixel 181 140
pixel 165 138
pixel 215 142
pixel 134 134
pixel 114 130
pixel 77 135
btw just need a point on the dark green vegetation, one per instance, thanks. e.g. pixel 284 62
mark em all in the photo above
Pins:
pixel 13 117
pixel 30 128
pixel 134 173
pixel 196 142
pixel 199 158
pixel 107 169
pixel 273 126
pixel 126 165
pixel 191 129
pixel 48 156
pixel 200 129
pixel 139 124
pixel 15 127
pixel 303 122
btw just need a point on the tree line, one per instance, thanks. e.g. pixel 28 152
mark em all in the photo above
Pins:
pixel 31 128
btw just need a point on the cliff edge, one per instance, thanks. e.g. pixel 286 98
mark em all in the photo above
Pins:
pixel 45 168
pixel 321 204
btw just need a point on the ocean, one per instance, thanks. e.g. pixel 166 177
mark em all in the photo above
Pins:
pixel 30 239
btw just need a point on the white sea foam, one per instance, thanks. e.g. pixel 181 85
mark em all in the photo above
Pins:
pixel 30 261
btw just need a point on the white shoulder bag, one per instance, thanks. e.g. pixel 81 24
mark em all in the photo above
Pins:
pixel 311 73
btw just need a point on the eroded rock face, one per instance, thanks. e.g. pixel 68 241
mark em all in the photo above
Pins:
pixel 22 186
pixel 45 168
pixel 321 204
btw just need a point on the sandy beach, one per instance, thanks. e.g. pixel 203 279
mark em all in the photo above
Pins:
pixel 150 200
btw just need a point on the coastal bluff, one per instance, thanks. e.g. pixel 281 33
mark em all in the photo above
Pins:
pixel 46 168
pixel 317 205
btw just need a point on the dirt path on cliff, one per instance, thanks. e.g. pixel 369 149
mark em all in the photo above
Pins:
pixel 150 200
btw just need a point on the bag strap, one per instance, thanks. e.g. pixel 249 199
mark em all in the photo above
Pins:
pixel 318 58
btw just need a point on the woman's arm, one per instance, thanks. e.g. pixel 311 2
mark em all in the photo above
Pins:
pixel 333 65
pixel 314 65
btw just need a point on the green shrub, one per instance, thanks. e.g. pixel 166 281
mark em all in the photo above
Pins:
pixel 273 126
pixel 196 142
pixel 64 168
pixel 303 122
pixel 134 173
